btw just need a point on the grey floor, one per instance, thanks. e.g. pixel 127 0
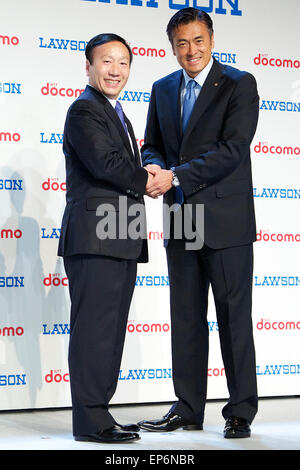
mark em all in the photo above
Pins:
pixel 276 427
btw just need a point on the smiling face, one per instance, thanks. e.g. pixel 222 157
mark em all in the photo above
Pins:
pixel 110 68
pixel 192 46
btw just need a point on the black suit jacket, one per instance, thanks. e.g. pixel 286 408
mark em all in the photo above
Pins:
pixel 212 158
pixel 101 165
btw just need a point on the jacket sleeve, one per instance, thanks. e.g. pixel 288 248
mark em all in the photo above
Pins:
pixel 89 136
pixel 225 155
pixel 152 151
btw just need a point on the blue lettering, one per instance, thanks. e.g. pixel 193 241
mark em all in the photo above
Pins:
pixel 62 44
pixel 41 43
pixel 11 380
pixel 13 88
pixel 52 44
pixel 234 8
pixel 140 374
pixel 45 331
pixel 175 6
pixel 178 5
pixel 152 4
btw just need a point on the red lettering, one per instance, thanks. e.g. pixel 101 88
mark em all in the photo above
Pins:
pixel 55 91
pixel 54 185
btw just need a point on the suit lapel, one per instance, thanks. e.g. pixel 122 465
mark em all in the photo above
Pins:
pixel 173 105
pixel 110 111
pixel 208 92
pixel 133 139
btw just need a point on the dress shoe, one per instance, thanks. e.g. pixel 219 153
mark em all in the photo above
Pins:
pixel 169 422
pixel 128 427
pixel 236 428
pixel 111 435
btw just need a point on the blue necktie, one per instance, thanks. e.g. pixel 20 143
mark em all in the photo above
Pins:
pixel 188 104
pixel 119 111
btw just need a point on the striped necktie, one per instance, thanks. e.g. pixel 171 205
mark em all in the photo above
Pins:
pixel 188 104
pixel 120 113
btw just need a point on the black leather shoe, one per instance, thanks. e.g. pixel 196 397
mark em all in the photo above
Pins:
pixel 128 427
pixel 169 422
pixel 236 428
pixel 111 435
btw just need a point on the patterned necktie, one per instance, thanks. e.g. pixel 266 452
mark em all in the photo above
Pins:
pixel 119 111
pixel 188 104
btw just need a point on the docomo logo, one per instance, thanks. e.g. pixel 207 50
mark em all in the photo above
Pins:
pixel 9 233
pixel 57 376
pixel 149 52
pixel 216 372
pixel 11 331
pixel 9 41
pixel 265 236
pixel 264 324
pixel 9 137
pixel 54 184
pixel 148 328
pixel 262 59
pixel 53 90
pixel 55 280
pixel 263 147
pixel 140 142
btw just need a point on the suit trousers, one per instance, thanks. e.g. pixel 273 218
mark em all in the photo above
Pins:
pixel 229 272
pixel 101 289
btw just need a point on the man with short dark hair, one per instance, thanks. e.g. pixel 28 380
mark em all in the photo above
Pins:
pixel 102 166
pixel 200 125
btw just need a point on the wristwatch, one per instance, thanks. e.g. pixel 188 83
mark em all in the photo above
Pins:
pixel 175 180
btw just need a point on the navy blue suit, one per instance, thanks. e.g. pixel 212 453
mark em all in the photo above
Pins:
pixel 102 165
pixel 212 163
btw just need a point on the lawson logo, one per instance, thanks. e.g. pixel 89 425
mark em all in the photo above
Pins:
pixel 220 7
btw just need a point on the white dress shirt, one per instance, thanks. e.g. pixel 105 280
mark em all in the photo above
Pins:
pixel 200 79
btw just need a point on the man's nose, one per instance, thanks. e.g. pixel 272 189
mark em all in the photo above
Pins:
pixel 114 70
pixel 192 48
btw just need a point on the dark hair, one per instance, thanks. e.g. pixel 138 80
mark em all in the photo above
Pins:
pixel 103 39
pixel 188 15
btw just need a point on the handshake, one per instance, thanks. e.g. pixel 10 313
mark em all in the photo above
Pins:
pixel 159 181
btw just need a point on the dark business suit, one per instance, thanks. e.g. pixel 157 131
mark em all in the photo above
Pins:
pixel 212 163
pixel 102 164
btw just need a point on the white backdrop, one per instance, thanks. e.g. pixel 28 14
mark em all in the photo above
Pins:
pixel 42 71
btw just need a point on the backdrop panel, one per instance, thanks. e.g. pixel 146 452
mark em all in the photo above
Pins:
pixel 42 71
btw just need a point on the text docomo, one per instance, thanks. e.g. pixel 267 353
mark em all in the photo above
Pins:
pixel 11 331
pixel 148 328
pixel 9 136
pixel 148 52
pixel 55 280
pixel 57 376
pixel 9 40
pixel 140 142
pixel 9 233
pixel 53 184
pixel 216 372
pixel 263 59
pixel 53 90
pixel 267 324
pixel 266 148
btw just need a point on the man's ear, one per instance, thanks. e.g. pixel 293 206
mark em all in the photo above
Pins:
pixel 87 67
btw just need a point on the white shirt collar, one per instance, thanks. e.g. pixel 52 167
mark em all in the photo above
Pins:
pixel 112 102
pixel 201 77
